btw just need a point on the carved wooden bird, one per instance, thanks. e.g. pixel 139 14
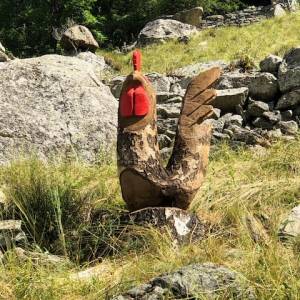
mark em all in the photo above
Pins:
pixel 145 182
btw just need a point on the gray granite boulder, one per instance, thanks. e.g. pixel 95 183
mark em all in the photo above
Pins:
pixel 78 37
pixel 54 105
pixel 161 30
pixel 191 16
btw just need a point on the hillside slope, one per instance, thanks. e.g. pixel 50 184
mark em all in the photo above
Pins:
pixel 255 41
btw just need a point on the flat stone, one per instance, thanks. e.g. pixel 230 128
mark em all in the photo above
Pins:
pixel 39 258
pixel 235 79
pixel 207 280
pixel 228 100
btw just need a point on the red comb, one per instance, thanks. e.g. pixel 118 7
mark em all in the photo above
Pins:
pixel 137 60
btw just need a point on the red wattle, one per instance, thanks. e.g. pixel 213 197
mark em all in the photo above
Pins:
pixel 134 102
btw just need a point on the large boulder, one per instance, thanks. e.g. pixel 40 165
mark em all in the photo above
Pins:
pixel 54 105
pixel 78 37
pixel 191 16
pixel 197 281
pixel 289 71
pixel 162 30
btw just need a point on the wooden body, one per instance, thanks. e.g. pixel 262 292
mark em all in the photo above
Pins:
pixel 144 181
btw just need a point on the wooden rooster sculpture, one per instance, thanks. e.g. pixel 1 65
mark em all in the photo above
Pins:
pixel 145 182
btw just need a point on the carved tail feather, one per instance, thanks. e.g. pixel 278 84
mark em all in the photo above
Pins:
pixel 189 159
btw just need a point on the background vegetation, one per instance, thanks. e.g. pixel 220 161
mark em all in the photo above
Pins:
pixel 26 26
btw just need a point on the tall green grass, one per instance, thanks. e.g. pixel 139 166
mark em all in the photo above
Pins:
pixel 239 183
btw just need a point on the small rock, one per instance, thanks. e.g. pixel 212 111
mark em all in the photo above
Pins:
pixel 247 136
pixel 159 82
pixel 171 110
pixel 164 141
pixel 233 120
pixel 257 108
pixel 287 115
pixel 236 79
pixel 274 134
pixel 11 234
pixel 263 123
pixel 38 258
pixel 289 71
pixel 2 48
pixel 228 100
pixel 288 127
pixel 183 226
pixel 3 57
pixel 289 100
pixel 116 86
pixel 278 11
pixel 264 87
pixel 216 114
pixel 95 60
pixel 78 37
pixel 290 227
pixel 208 280
pixel 217 125
pixel 272 116
pixel 271 64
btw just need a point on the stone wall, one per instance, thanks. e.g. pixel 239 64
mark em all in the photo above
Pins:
pixel 244 17
pixel 252 107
